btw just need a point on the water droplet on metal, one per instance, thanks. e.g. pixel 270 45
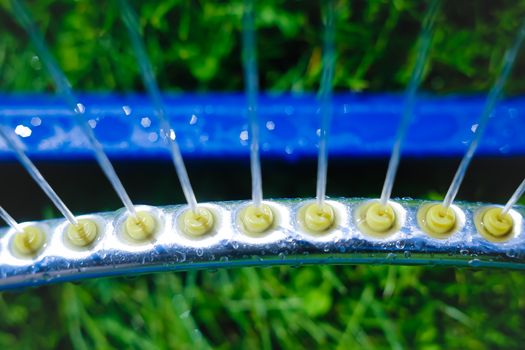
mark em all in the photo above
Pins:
pixel 391 256
pixel 475 262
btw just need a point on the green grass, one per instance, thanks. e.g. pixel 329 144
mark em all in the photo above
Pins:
pixel 338 307
pixel 319 306
pixel 195 45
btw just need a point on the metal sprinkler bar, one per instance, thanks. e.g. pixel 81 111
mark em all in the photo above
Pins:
pixel 227 242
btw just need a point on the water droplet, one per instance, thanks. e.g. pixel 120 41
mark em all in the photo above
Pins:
pixel 35 63
pixel 243 135
pixel 400 244
pixel 407 254
pixel 145 122
pixel 153 136
pixel 160 249
pixel 475 262
pixel 80 108
pixel 127 110
pixel 23 131
pixel 463 252
pixel 35 121
pixel 200 252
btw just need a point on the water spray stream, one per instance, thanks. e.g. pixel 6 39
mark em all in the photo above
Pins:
pixel 65 91
pixel 413 85
pixel 152 88
pixel 514 198
pixel 325 92
pixel 36 175
pixel 492 100
pixel 9 220
pixel 251 83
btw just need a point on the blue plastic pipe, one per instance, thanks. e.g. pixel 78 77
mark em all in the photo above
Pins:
pixel 215 126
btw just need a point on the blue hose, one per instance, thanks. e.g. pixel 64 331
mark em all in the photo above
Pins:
pixel 215 126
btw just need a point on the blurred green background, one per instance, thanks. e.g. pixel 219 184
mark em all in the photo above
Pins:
pixel 195 46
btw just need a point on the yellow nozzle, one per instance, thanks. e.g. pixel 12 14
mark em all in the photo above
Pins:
pixel 256 219
pixel 496 224
pixel 140 226
pixel 29 241
pixel 379 217
pixel 197 223
pixel 83 233
pixel 318 218
pixel 439 219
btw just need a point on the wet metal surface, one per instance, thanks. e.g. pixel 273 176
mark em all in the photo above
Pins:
pixel 113 253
